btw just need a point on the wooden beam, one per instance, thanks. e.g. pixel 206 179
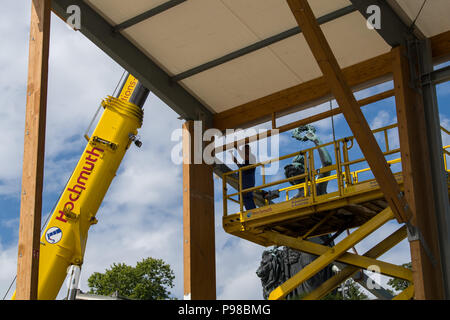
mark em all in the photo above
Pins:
pixel 33 158
pixel 350 108
pixel 198 222
pixel 312 92
pixel 365 261
pixel 349 270
pixel 417 179
pixel 335 111
pixel 305 121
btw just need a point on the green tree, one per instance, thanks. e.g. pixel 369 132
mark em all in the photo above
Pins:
pixel 400 284
pixel 149 280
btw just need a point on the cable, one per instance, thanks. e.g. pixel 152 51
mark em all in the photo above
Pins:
pixel 417 16
pixel 120 81
pixel 86 134
pixel 332 121
pixel 334 140
pixel 42 229
pixel 9 287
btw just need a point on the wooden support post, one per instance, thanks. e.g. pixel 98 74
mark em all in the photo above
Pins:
pixel 418 186
pixel 198 220
pixel 33 158
pixel 350 108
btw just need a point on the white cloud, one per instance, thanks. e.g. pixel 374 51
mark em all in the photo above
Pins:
pixel 382 119
pixel 445 122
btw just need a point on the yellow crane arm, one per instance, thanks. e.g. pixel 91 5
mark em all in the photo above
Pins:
pixel 63 241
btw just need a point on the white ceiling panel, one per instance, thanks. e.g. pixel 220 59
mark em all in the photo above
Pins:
pixel 191 34
pixel 433 19
pixel 118 11
pixel 241 80
pixel 359 44
pixel 268 17
pixel 198 31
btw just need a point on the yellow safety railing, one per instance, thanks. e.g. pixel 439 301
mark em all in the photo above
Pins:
pixel 344 176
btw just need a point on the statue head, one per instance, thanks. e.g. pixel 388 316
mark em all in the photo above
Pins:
pixel 297 167
pixel 265 266
pixel 270 271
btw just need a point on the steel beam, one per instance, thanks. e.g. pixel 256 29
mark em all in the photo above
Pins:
pixel 392 29
pixel 147 14
pixel 120 49
pixel 438 175
pixel 437 76
pixel 260 44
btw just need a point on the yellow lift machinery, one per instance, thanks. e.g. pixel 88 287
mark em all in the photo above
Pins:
pixel 63 240
pixel 354 203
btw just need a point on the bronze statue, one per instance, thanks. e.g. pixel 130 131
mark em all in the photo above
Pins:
pixel 271 271
pixel 281 263
pixel 297 167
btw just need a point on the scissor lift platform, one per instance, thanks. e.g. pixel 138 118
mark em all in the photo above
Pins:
pixel 298 218
pixel 356 204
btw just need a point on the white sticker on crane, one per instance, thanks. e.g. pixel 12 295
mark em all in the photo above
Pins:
pixel 53 235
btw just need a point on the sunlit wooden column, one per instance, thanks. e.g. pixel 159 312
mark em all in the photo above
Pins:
pixel 198 218
pixel 418 188
pixel 343 94
pixel 33 158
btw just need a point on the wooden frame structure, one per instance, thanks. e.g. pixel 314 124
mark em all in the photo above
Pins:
pixel 198 198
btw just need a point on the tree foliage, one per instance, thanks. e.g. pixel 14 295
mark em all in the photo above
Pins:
pixel 400 284
pixel 149 280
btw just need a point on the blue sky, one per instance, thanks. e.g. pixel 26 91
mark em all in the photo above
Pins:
pixel 141 215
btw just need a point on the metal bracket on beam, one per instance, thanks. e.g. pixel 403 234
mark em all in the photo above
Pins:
pixel 436 76
pixel 413 54
pixel 414 234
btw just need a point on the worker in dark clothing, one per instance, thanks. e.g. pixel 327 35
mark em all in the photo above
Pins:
pixel 248 176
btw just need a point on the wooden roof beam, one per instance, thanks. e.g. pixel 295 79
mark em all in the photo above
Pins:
pixel 33 155
pixel 350 108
